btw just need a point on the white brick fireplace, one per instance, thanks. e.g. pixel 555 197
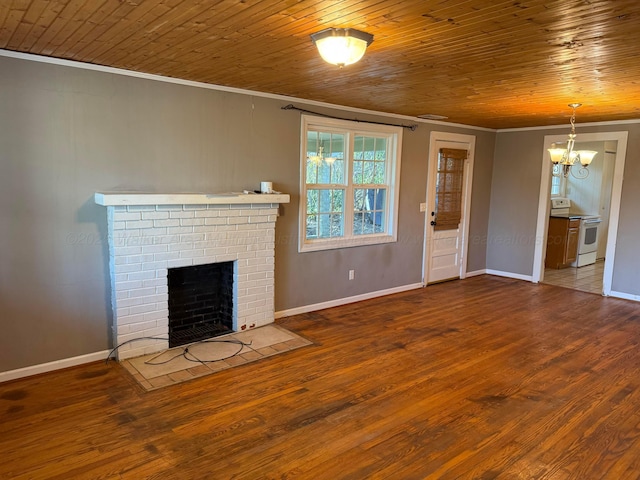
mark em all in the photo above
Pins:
pixel 151 233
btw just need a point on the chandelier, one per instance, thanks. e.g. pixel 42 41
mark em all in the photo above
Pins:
pixel 319 157
pixel 565 158
pixel 341 46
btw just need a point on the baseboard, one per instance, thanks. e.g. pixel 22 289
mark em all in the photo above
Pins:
pixel 517 276
pixel 93 357
pixel 475 273
pixel 51 366
pixel 625 296
pixel 345 301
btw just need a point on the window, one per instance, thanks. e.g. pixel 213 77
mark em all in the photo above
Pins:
pixel 558 183
pixel 555 185
pixel 350 174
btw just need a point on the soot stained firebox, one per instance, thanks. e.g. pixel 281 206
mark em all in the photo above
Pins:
pixel 200 302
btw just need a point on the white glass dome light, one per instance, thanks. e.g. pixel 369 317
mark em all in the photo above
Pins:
pixel 341 46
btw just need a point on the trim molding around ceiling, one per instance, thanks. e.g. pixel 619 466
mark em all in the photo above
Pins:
pixel 210 86
pixel 564 125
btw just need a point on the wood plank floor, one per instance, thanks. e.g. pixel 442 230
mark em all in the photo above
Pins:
pixel 475 379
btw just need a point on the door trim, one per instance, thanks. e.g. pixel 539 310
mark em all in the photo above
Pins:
pixel 468 142
pixel 614 215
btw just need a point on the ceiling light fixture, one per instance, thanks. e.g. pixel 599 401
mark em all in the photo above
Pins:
pixel 341 46
pixel 564 158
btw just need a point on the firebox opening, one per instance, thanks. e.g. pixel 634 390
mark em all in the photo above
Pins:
pixel 200 302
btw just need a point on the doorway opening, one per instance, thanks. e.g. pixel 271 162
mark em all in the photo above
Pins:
pixel 598 196
pixel 586 200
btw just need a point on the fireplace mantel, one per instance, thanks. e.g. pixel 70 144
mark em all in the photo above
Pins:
pixel 109 199
pixel 150 233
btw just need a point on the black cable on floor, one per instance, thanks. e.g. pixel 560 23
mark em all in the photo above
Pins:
pixel 184 352
pixel 115 349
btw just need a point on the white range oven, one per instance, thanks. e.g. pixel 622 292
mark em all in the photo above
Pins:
pixel 588 240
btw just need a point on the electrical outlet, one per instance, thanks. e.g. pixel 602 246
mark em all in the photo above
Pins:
pixel 352 274
pixel 423 207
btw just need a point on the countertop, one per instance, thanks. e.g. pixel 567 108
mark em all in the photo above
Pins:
pixel 570 216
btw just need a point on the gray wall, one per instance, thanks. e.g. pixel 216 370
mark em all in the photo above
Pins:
pixel 480 201
pixel 514 202
pixel 626 269
pixel 66 133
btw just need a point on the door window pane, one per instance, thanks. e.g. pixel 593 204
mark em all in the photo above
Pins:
pixel 449 188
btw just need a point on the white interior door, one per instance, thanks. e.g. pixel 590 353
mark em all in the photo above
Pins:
pixel 446 236
pixel 445 256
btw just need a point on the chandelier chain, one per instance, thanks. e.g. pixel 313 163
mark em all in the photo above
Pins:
pixel 563 159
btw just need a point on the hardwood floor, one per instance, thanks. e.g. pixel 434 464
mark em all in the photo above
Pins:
pixel 475 379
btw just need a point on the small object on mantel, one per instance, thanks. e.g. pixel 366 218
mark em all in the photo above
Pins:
pixel 254 192
pixel 266 187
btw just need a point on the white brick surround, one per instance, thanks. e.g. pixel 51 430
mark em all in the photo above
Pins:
pixel 147 240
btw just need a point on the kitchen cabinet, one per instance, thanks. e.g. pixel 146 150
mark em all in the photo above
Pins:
pixel 562 242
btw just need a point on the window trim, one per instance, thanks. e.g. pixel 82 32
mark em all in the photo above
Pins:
pixel 351 129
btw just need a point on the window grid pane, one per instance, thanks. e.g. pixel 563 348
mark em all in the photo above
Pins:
pixel 369 210
pixel 325 158
pixel 370 157
pixel 325 213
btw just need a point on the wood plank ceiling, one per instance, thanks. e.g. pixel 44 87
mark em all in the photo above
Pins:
pixel 495 64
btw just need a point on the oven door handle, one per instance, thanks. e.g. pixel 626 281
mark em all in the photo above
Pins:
pixel 590 222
